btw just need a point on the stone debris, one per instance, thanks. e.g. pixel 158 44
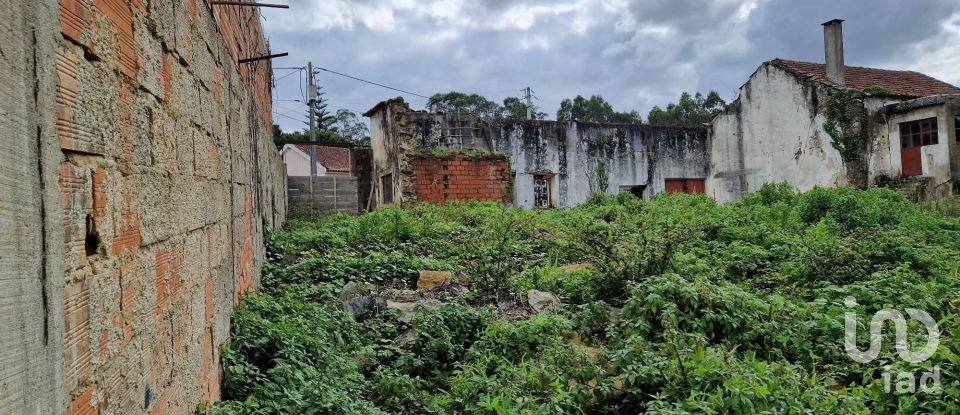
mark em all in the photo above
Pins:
pixel 352 290
pixel 406 312
pixel 431 280
pixel 365 307
pixel 542 300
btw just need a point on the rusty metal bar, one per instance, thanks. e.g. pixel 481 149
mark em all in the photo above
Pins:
pixel 261 58
pixel 242 3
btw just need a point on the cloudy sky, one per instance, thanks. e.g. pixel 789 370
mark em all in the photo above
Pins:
pixel 636 53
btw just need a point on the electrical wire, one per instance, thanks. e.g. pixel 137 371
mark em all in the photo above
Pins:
pixel 372 83
pixel 291 73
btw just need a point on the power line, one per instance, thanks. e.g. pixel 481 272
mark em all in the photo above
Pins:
pixel 373 83
pixel 296 70
pixel 287 116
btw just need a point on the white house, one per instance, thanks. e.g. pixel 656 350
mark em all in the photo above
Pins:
pixel 330 160
pixel 774 131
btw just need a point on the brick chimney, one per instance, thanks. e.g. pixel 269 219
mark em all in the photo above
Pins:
pixel 833 45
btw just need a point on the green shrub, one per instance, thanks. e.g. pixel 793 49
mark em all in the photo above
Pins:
pixel 735 308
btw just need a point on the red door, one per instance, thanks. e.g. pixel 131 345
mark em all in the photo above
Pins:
pixel 675 186
pixel 690 186
pixel 910 159
pixel 696 186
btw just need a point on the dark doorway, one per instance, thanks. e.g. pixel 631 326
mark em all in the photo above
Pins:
pixel 386 186
pixel 635 190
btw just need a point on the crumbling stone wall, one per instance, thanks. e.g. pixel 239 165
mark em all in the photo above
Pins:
pixel 392 140
pixel 441 180
pixel 578 158
pixel 168 179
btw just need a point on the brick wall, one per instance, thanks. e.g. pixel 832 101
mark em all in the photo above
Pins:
pixel 439 180
pixel 168 180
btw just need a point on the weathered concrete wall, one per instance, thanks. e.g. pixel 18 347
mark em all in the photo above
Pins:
pixel 31 239
pixel 169 181
pixel 392 141
pixel 568 152
pixel 954 134
pixel 935 159
pixel 326 195
pixel 773 133
pixel 571 152
pixel 362 161
pixel 441 180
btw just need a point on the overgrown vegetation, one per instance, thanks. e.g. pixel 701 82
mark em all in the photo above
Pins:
pixel 845 125
pixel 672 306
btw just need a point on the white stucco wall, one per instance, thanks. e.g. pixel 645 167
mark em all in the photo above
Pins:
pixel 935 159
pixel 775 133
pixel 297 164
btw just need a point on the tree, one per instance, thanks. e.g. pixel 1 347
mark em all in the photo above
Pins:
pixel 515 108
pixel 347 125
pixel 457 101
pixel 595 109
pixel 343 127
pixel 690 111
pixel 322 117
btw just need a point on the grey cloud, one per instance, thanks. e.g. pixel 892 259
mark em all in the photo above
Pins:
pixel 647 71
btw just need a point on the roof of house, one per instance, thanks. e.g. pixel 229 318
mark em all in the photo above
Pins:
pixel 335 159
pixel 899 83
pixel 381 104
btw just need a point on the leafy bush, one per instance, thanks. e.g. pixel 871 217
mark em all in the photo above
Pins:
pixel 686 307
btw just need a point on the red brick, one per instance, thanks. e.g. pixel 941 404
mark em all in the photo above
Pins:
pixel 128 230
pixel 73 18
pixel 168 62
pixel 120 16
pixel 83 404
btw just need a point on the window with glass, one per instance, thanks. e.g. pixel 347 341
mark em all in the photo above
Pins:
pixel 919 133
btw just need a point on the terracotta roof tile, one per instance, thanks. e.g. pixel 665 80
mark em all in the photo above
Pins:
pixel 335 159
pixel 901 83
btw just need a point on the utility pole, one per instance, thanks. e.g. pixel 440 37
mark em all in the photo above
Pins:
pixel 528 96
pixel 311 104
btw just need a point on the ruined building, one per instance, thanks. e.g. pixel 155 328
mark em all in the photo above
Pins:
pixel 775 130
pixel 899 129
pixel 137 180
pixel 438 157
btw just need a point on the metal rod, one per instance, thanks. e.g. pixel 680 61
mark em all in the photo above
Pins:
pixel 260 58
pixel 241 3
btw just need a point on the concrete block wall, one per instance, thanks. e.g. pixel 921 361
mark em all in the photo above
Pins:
pixel 326 195
pixel 137 180
pixel 440 180
pixel 31 238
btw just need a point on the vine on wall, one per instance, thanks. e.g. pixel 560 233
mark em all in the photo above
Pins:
pixel 845 126
pixel 603 181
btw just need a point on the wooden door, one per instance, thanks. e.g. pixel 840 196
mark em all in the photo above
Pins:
pixel 910 159
pixel 690 186
pixel 675 186
pixel 696 186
